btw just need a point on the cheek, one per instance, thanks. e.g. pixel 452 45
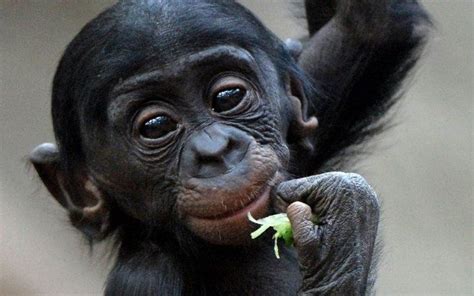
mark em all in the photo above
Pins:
pixel 152 202
pixel 273 127
pixel 283 153
pixel 143 190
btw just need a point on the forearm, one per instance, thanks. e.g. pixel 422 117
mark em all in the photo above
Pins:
pixel 361 35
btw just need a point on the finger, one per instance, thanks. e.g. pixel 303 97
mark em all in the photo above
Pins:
pixel 305 232
pixel 313 190
pixel 278 204
pixel 293 190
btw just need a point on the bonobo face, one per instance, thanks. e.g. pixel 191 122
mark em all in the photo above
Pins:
pixel 170 123
pixel 197 140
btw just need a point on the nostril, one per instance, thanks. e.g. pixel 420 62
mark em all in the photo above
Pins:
pixel 235 152
pixel 231 144
pixel 214 151
pixel 221 161
pixel 206 159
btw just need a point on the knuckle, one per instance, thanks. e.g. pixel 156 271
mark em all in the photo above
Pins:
pixel 332 177
pixel 341 179
pixel 282 190
pixel 354 181
pixel 326 185
pixel 365 194
pixel 356 178
pixel 293 189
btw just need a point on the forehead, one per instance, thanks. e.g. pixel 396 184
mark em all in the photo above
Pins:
pixel 223 55
pixel 133 36
pixel 167 29
pixel 138 36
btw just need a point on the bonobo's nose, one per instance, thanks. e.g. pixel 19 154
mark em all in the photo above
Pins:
pixel 214 151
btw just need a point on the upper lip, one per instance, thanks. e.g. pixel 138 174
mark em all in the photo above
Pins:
pixel 218 198
pixel 254 196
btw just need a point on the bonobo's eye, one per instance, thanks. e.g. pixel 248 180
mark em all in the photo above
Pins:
pixel 154 124
pixel 157 127
pixel 226 93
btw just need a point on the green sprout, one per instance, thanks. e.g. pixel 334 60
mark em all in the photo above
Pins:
pixel 280 223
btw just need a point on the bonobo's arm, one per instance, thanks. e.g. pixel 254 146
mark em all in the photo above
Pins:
pixel 336 253
pixel 358 54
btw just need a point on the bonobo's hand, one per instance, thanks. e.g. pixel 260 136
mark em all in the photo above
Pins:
pixel 335 254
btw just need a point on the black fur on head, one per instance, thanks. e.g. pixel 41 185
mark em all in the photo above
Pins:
pixel 132 35
pixel 125 38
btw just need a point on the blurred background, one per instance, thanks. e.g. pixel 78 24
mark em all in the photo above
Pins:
pixel 422 169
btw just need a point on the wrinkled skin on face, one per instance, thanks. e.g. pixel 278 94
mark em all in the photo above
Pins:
pixel 176 154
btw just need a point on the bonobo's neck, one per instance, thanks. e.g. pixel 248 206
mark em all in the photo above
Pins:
pixel 146 267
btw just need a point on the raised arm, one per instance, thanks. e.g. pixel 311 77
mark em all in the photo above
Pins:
pixel 358 55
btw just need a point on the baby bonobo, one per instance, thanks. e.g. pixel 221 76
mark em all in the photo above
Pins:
pixel 175 119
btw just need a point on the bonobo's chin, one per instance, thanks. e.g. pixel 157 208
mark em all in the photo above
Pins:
pixel 233 227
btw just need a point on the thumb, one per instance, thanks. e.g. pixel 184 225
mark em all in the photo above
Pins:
pixel 305 232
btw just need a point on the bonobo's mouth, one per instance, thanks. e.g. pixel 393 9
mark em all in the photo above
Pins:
pixel 231 225
pixel 215 209
pixel 255 203
pixel 218 213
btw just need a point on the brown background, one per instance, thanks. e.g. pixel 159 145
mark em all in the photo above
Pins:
pixel 422 169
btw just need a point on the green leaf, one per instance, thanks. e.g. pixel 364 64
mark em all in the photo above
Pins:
pixel 275 247
pixel 259 231
pixel 280 223
pixel 285 232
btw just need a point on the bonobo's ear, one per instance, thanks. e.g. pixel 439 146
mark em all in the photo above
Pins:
pixel 85 203
pixel 295 47
pixel 301 126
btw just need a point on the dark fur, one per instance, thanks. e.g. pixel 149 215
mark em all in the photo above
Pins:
pixel 349 108
pixel 376 59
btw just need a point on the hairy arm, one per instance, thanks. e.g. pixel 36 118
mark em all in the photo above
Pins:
pixel 358 55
